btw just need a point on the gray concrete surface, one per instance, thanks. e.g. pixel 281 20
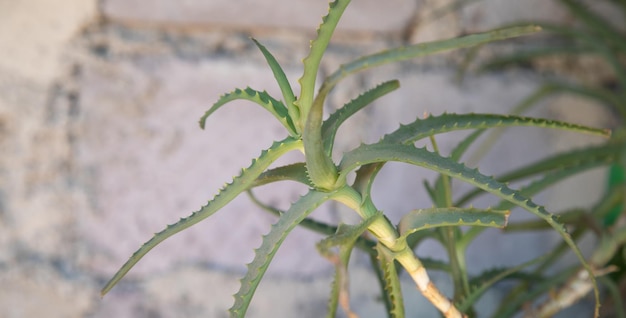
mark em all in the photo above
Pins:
pixel 99 103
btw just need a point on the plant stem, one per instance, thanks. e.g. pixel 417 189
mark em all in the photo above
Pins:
pixel 388 236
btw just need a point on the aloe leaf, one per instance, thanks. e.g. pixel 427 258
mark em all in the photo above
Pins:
pixel 521 57
pixel 616 179
pixel 261 98
pixel 322 170
pixel 363 243
pixel 422 128
pixel 382 152
pixel 422 49
pixel 431 191
pixel 455 155
pixel 271 242
pixel 421 219
pixel 509 308
pixel 597 23
pixel 283 82
pixel 392 287
pixel 227 194
pixel 584 158
pixel 590 40
pixel 331 125
pixel 494 276
pixel 312 61
pixel 464 145
pixel 346 234
pixel 292 172
pixel 345 237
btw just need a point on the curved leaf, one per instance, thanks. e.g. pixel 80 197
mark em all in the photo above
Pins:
pixel 422 49
pixel 292 172
pixel 421 219
pixel 602 26
pixel 331 125
pixel 312 61
pixel 422 128
pixel 494 276
pixel 345 238
pixel 227 194
pixel 271 242
pixel 261 98
pixel 584 158
pixel 392 288
pixel 283 83
pixel 363 243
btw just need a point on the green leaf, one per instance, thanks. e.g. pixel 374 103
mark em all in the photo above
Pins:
pixel 455 155
pixel 363 243
pixel 271 242
pixel 525 56
pixel 382 152
pixel 494 276
pixel 600 25
pixel 227 194
pixel 331 125
pixel 422 49
pixel 263 99
pixel 345 237
pixel 283 83
pixel 510 307
pixel 322 170
pixel 292 172
pixel 577 159
pixel 346 234
pixel 421 219
pixel 393 290
pixel 422 128
pixel 312 61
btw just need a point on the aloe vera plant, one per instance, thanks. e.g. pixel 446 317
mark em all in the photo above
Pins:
pixel 307 132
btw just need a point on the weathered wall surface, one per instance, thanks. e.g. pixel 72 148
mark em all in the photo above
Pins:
pixel 100 148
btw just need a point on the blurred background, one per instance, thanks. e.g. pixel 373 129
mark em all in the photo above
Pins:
pixel 100 146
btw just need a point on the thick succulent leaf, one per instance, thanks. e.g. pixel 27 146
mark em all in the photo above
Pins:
pixel 456 154
pixel 345 238
pixel 271 242
pixel 283 83
pixel 422 49
pixel 422 128
pixel 263 99
pixel 511 306
pixel 331 125
pixel 598 24
pixel 320 166
pixel 484 281
pixel 322 171
pixel 382 152
pixel 363 243
pixel 577 159
pixel 588 38
pixel 292 172
pixel 421 219
pixel 227 194
pixel 392 287
pixel 312 61
pixel 462 147
pixel 346 234
pixel 523 57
